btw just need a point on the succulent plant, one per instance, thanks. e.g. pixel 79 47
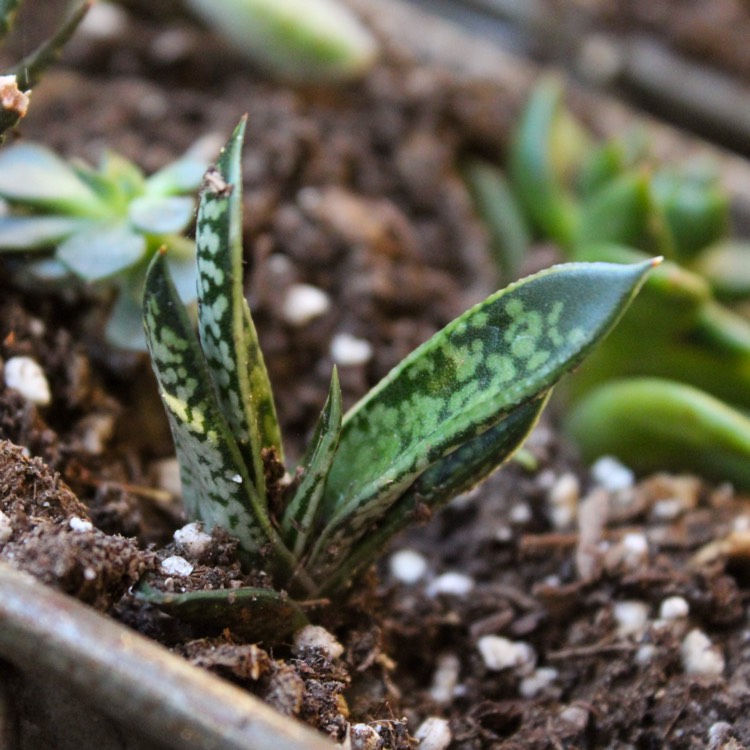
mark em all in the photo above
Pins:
pixel 100 226
pixel 300 40
pixel 441 421
pixel 686 334
pixel 15 85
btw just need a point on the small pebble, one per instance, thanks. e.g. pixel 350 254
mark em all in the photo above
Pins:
pixel 25 376
pixel 537 681
pixel 408 566
pixel 631 617
pixel 700 656
pixel 303 303
pixel 455 584
pixel 674 608
pixel 434 733
pixel 445 679
pixel 89 574
pixel 612 475
pixel 348 350
pixel 193 539
pixel 6 528
pixel 176 566
pixel 500 653
pixel 316 638
pixel 80 524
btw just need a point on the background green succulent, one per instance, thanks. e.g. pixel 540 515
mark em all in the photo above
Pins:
pixel 100 226
pixel 610 201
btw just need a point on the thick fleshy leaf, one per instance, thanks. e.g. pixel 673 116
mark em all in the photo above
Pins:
pixel 497 206
pixel 618 212
pixel 251 613
pixel 314 40
pixel 726 265
pixel 182 176
pixel 217 488
pixel 539 158
pixel 32 175
pixel 101 251
pixel 652 423
pixel 500 354
pixel 122 173
pixel 155 215
pixel 37 232
pixel 227 332
pixel 457 472
pixel 125 324
pixel 301 513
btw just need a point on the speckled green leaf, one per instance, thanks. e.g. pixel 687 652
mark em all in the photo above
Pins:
pixel 216 484
pixel 457 472
pixel 300 514
pixel 251 613
pixel 226 328
pixel 505 351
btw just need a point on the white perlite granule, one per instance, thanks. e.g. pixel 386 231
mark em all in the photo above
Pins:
pixel 454 584
pixel 537 681
pixel 80 524
pixel 500 653
pixel 192 539
pixel 612 475
pixel 176 566
pixel 700 656
pixel 24 375
pixel 631 617
pixel 674 608
pixel 445 678
pixel 315 638
pixel 303 303
pixel 434 733
pixel 408 566
pixel 348 350
pixel 6 528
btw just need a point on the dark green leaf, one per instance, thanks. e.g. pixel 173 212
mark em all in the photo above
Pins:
pixel 251 613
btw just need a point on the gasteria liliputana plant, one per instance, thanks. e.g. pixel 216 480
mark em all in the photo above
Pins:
pixel 100 226
pixel 442 420
pixel 15 85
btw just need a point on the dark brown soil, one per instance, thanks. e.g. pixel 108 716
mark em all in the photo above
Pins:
pixel 357 191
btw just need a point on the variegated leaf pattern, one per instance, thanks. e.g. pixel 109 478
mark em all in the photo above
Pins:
pixel 455 473
pixel 226 329
pixel 503 352
pixel 215 482
pixel 302 511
